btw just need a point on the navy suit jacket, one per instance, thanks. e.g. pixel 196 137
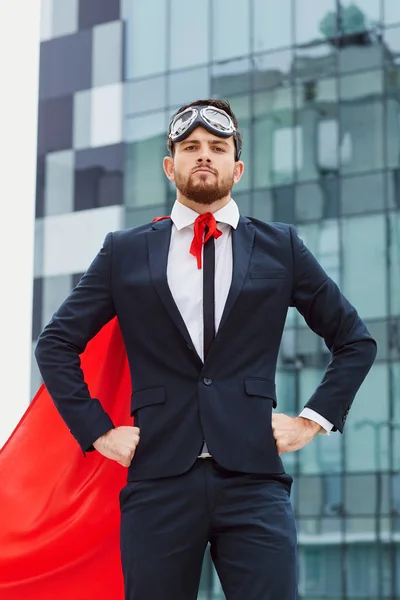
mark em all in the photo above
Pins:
pixel 177 401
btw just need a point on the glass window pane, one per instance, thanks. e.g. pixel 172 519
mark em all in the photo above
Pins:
pixel 107 54
pixel 391 11
pixel 55 126
pixel 65 17
pixel 359 57
pixel 394 264
pixel 59 186
pixel 392 133
pixel 141 216
pixel 315 61
pixel 392 43
pixel 231 77
pixel 82 117
pixel 309 496
pixel 283 203
pixel 363 194
pixel 188 43
pixel 262 205
pixel 366 436
pixel 37 303
pixel 187 86
pixel 146 54
pixel 310 455
pixel 360 15
pixel 241 107
pixel 361 121
pixel 272 24
pixel 98 177
pixel 145 181
pixel 94 12
pixel 55 290
pixel 322 239
pixel 364 264
pixel 314 20
pixel 230 29
pixel 317 200
pixel 106 121
pixel 66 65
pixel 46 20
pixel 272 70
pixel 274 138
pixel 145 95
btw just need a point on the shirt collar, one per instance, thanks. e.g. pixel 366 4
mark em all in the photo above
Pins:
pixel 183 216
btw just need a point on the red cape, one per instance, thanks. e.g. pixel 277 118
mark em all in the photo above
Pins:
pixel 59 511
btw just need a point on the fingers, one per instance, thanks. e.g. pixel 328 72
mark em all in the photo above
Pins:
pixel 120 444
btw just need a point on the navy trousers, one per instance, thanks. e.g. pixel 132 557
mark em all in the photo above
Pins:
pixel 248 520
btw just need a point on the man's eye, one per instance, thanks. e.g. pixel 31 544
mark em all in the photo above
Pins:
pixel 190 147
pixel 219 148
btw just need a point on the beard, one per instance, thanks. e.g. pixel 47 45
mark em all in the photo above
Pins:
pixel 206 190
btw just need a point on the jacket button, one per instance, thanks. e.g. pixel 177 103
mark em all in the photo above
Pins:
pixel 207 381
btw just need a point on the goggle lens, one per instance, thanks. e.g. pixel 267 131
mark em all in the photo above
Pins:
pixel 217 119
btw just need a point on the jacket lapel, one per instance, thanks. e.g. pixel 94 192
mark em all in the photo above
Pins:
pixel 158 241
pixel 242 244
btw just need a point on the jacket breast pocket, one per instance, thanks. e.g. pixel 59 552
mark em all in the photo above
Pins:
pixel 269 274
pixel 257 386
pixel 147 397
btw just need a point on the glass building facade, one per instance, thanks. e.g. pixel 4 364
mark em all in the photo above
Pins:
pixel 316 88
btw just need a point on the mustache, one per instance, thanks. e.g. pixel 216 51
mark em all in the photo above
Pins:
pixel 210 170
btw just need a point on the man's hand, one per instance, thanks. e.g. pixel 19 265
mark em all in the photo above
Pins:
pixel 119 444
pixel 292 433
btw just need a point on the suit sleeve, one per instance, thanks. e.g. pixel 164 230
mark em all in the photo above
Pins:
pixel 79 318
pixel 330 315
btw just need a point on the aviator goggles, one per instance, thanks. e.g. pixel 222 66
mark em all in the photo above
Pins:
pixel 213 119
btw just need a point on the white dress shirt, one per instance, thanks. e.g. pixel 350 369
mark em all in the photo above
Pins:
pixel 186 280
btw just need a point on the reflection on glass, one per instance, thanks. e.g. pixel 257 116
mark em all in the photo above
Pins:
pixel 358 16
pixel 364 260
pixel 145 181
pixel 272 24
pixel 320 564
pixel 394 265
pixel 361 121
pixel 315 61
pixel 314 20
pixel 392 43
pixel 186 86
pixel 367 436
pixel 241 107
pixel 145 95
pixel 274 138
pixel 230 29
pixel 189 38
pixel 231 77
pixel 362 194
pixel 391 11
pixel 273 69
pixel 145 54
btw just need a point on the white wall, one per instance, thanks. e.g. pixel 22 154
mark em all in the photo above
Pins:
pixel 19 65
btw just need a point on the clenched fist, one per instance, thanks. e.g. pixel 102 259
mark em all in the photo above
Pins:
pixel 292 433
pixel 119 444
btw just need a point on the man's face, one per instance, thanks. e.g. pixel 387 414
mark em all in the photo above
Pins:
pixel 204 168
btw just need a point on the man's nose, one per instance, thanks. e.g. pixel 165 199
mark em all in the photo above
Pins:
pixel 204 156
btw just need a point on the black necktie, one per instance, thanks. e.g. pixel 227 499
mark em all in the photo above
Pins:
pixel 208 300
pixel 208 293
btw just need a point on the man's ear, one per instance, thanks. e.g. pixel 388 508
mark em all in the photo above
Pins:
pixel 168 164
pixel 238 171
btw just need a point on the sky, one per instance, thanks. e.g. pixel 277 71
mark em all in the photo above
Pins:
pixel 19 67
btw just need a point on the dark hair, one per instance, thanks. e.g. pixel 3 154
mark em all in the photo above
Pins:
pixel 221 104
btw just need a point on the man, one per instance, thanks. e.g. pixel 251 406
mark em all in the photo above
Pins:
pixel 201 299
